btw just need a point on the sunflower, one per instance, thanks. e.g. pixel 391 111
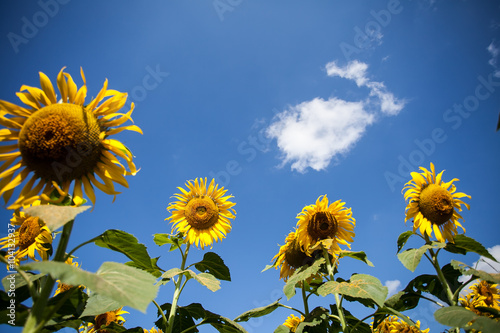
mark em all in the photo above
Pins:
pixel 32 237
pixel 293 321
pixel 321 221
pixel 393 324
pixel 290 257
pixel 62 287
pixel 202 214
pixel 153 330
pixel 483 294
pixel 434 205
pixel 54 144
pixel 105 319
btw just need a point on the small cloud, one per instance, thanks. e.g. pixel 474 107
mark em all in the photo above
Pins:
pixel 393 286
pixel 494 51
pixel 485 264
pixel 357 71
pixel 313 133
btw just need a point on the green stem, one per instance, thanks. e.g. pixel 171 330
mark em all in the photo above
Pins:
pixel 36 319
pixel 338 301
pixel 304 298
pixel 294 309
pixel 84 243
pixel 442 279
pixel 31 287
pixel 179 286
pixel 165 321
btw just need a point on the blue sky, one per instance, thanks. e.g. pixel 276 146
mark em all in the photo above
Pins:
pixel 281 102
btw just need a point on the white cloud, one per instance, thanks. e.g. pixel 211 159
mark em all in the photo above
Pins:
pixel 312 133
pixel 393 286
pixel 485 264
pixel 357 71
pixel 494 50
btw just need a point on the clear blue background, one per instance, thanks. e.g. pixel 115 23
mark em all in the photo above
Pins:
pixel 233 66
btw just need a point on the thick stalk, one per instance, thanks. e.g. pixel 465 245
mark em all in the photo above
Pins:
pixel 178 289
pixel 304 298
pixel 36 320
pixel 338 301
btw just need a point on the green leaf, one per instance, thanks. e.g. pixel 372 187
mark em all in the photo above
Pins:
pixel 171 273
pixel 282 329
pixel 314 322
pixel 457 316
pixel 55 216
pixel 205 279
pixel 18 281
pixel 222 324
pixel 467 270
pixel 360 255
pixel 98 304
pixel 267 267
pixel 258 312
pixel 411 257
pixel 403 238
pixel 127 244
pixel 175 241
pixel 464 244
pixel 299 275
pixel 126 285
pixel 214 265
pixel 360 285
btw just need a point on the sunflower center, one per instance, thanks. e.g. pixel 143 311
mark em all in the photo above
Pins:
pixel 61 142
pixel 322 225
pixel 105 319
pixel 436 204
pixel 201 212
pixel 295 257
pixel 28 232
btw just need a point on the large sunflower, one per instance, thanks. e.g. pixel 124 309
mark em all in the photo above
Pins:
pixel 202 214
pixel 322 221
pixel 292 322
pixel 433 204
pixel 290 257
pixel 393 324
pixel 32 237
pixel 58 143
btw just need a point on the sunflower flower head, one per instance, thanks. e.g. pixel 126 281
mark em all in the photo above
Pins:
pixel 434 205
pixel 482 295
pixel 105 319
pixel 31 237
pixel 322 221
pixel 290 257
pixel 51 145
pixel 153 330
pixel 62 287
pixel 202 212
pixel 393 324
pixel 292 322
